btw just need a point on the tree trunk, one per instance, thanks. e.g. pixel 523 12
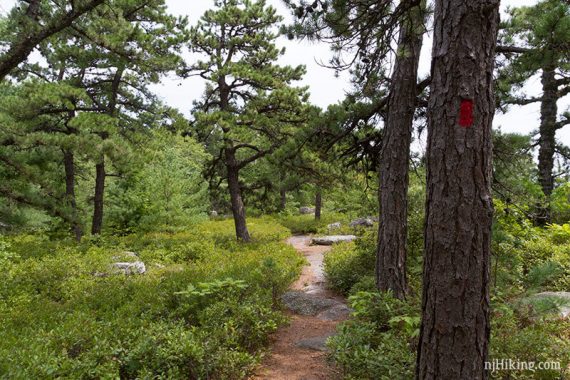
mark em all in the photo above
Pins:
pixel 238 209
pixel 100 175
pixel 455 327
pixel 69 165
pixel 282 200
pixel 394 160
pixel 547 141
pixel 318 204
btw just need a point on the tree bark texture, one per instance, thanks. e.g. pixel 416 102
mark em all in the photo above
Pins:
pixel 238 209
pixel 547 141
pixel 455 327
pixel 69 165
pixel 394 159
pixel 318 204
pixel 98 199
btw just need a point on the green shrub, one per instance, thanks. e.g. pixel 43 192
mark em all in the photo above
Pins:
pixel 347 263
pixel 378 342
pixel 204 309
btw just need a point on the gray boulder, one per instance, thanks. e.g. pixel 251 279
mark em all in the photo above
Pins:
pixel 307 210
pixel 213 213
pixel 362 222
pixel 334 226
pixel 336 313
pixel 306 304
pixel 136 267
pixel 332 239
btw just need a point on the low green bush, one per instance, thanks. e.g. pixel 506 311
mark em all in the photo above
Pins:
pixel 378 342
pixel 347 263
pixel 203 310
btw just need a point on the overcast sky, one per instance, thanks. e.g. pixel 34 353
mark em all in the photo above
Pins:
pixel 325 88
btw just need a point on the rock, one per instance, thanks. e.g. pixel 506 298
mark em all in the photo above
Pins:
pixel 332 239
pixel 213 214
pixel 306 304
pixel 336 313
pixel 561 298
pixel 362 222
pixel 136 267
pixel 307 210
pixel 318 343
pixel 334 226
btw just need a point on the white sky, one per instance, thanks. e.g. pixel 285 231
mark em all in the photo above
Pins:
pixel 324 87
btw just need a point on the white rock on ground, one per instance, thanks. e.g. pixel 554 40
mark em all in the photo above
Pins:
pixel 136 267
pixel 330 240
pixel 334 226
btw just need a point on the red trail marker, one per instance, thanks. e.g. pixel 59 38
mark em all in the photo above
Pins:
pixel 466 113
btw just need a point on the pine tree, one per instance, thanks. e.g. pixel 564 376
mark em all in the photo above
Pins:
pixel 535 39
pixel 27 26
pixel 454 333
pixel 249 108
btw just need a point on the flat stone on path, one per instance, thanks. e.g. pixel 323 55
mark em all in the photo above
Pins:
pixel 307 304
pixel 332 239
pixel 338 312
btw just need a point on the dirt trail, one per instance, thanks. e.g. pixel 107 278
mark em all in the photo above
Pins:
pixel 298 349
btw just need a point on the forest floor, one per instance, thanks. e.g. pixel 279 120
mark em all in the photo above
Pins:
pixel 298 351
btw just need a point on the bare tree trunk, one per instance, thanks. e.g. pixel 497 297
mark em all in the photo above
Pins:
pixel 238 209
pixel 283 199
pixel 547 141
pixel 100 175
pixel 69 165
pixel 394 159
pixel 455 329
pixel 318 203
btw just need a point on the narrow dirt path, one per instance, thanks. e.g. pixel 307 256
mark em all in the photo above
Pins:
pixel 298 351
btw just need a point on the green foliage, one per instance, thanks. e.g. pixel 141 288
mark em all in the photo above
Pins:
pixel 516 335
pixel 379 340
pixel 204 309
pixel 347 263
pixel 166 190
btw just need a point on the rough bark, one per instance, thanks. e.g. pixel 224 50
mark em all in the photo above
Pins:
pixel 318 204
pixel 238 209
pixel 69 165
pixel 232 168
pixel 394 159
pixel 26 43
pixel 98 199
pixel 547 141
pixel 455 325
pixel 282 199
